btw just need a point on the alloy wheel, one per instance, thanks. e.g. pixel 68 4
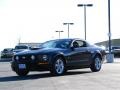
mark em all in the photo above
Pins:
pixel 98 63
pixel 59 66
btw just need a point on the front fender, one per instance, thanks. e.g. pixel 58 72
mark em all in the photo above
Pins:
pixel 97 53
pixel 55 55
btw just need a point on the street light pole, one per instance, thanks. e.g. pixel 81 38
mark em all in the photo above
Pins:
pixel 59 33
pixel 68 27
pixel 109 26
pixel 85 20
pixel 109 56
pixel 85 5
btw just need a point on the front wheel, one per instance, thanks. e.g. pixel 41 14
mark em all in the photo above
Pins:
pixel 21 69
pixel 22 72
pixel 96 64
pixel 58 67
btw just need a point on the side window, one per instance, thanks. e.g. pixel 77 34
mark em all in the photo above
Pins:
pixel 79 43
pixel 75 44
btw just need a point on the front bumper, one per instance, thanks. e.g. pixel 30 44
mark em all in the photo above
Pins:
pixel 39 66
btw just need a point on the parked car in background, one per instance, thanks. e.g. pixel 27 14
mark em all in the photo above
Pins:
pixel 7 53
pixel 58 56
pixel 20 48
pixel 115 50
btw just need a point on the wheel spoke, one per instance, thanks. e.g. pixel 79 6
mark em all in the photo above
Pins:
pixel 59 66
pixel 97 63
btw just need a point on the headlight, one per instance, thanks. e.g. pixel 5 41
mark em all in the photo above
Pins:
pixel 45 57
pixel 33 57
pixel 17 58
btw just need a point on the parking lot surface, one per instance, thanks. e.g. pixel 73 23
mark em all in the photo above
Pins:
pixel 82 79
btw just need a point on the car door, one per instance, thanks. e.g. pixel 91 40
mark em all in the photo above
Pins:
pixel 80 54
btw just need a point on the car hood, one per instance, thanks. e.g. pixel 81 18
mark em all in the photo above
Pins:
pixel 41 51
pixel 19 50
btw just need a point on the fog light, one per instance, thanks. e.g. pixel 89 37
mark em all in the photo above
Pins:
pixel 33 57
pixel 17 58
pixel 45 57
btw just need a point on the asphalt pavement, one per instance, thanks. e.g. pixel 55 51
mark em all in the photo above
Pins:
pixel 82 79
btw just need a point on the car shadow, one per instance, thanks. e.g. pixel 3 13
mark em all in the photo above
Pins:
pixel 38 76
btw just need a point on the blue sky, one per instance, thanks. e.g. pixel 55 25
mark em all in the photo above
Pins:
pixel 37 20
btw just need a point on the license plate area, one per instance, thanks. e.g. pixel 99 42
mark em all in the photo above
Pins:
pixel 21 66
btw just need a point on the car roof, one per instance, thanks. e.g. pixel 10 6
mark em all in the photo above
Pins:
pixel 70 39
pixel 7 48
pixel 21 45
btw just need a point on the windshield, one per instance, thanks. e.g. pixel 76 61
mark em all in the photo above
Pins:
pixel 21 47
pixel 7 50
pixel 56 44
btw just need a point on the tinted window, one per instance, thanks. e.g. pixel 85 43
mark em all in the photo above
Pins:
pixel 7 50
pixel 79 43
pixel 21 47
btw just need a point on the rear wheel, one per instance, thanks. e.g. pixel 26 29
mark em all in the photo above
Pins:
pixel 58 67
pixel 96 64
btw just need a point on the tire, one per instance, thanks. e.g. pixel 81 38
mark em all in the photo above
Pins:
pixel 96 64
pixel 22 72
pixel 58 67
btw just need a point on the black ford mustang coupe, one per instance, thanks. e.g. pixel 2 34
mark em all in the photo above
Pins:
pixel 58 56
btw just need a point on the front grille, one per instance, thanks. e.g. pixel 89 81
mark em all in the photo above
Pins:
pixel 27 58
pixel 23 58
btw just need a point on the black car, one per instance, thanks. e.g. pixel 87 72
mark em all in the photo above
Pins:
pixel 58 56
